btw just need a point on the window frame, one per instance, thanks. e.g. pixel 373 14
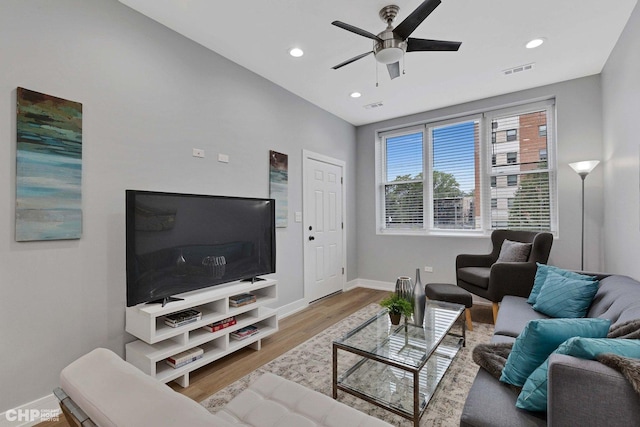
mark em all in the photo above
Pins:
pixel 484 168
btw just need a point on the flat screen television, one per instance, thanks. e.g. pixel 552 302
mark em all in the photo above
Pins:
pixel 177 243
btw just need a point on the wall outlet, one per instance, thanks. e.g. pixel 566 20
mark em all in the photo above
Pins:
pixel 428 269
pixel 198 152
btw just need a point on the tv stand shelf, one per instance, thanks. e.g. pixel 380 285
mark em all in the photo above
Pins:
pixel 157 341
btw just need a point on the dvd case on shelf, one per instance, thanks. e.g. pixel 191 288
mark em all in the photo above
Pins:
pixel 245 332
pixel 222 324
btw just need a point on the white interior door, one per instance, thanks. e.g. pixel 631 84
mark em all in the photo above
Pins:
pixel 323 227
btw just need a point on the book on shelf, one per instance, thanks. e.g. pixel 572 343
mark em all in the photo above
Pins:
pixel 242 299
pixel 245 332
pixel 221 324
pixel 184 358
pixel 181 318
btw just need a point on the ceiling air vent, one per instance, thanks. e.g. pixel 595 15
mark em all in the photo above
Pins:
pixel 518 69
pixel 373 105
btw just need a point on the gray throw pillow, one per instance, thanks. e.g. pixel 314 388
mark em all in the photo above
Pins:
pixel 514 251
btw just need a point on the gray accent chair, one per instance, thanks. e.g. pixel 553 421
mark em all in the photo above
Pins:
pixel 480 275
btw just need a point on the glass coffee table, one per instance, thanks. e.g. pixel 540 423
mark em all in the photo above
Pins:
pixel 398 367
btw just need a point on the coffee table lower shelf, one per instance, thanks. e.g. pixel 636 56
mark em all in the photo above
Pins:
pixel 392 385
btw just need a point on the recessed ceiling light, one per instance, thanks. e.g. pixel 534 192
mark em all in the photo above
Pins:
pixel 296 52
pixel 355 94
pixel 535 43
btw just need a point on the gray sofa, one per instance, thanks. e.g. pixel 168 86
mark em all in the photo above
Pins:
pixel 580 392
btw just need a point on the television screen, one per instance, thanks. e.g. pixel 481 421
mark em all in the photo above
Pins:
pixel 177 243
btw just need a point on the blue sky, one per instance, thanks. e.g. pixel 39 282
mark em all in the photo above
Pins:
pixel 453 152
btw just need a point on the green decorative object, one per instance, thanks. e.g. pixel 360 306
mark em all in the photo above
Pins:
pixel 397 306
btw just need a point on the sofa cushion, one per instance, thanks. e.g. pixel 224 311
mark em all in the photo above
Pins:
pixel 513 316
pixel 493 404
pixel 564 296
pixel 534 392
pixel 618 299
pixel 478 276
pixel 541 277
pixel 540 338
pixel 514 251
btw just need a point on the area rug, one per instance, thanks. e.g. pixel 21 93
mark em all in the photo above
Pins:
pixel 309 364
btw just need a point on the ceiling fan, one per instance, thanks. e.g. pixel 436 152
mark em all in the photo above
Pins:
pixel 391 44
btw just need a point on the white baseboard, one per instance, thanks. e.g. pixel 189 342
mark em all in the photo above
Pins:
pixel 371 284
pixel 292 308
pixel 26 415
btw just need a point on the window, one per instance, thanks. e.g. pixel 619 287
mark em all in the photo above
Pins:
pixel 403 183
pixel 450 176
pixel 542 130
pixel 530 190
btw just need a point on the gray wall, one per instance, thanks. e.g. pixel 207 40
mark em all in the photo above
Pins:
pixel 579 130
pixel 149 97
pixel 621 106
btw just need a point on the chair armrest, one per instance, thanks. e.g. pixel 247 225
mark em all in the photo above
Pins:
pixel 587 393
pixel 511 278
pixel 473 260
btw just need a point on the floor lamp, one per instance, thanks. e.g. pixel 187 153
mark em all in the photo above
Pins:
pixel 583 169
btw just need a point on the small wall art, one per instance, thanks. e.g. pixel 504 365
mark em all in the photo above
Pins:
pixel 48 167
pixel 279 185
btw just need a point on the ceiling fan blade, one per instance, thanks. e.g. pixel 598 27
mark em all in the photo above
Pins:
pixel 394 70
pixel 415 45
pixel 411 22
pixel 356 30
pixel 349 61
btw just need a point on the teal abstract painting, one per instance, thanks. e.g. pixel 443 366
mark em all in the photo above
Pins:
pixel 279 185
pixel 48 167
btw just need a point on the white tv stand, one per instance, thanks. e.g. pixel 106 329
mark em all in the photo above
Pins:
pixel 157 341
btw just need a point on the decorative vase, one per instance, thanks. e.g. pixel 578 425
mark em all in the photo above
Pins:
pixel 419 300
pixel 404 288
pixel 395 318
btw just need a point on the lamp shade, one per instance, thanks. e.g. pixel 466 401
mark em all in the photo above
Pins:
pixel 585 167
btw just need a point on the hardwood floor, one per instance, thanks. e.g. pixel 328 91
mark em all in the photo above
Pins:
pixel 294 330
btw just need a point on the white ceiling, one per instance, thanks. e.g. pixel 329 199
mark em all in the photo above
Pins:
pixel 257 34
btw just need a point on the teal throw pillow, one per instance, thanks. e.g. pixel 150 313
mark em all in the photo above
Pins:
pixel 540 338
pixel 533 396
pixel 565 297
pixel 541 276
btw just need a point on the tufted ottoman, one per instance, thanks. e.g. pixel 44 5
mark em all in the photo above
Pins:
pixel 451 293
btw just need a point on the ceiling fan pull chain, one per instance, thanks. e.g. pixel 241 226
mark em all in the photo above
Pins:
pixel 376 74
pixel 403 63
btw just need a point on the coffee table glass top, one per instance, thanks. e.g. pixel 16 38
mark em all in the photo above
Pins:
pixel 406 345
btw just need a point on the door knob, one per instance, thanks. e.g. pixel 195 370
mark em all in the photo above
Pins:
pixel 312 238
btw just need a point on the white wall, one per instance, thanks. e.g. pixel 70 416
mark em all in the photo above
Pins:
pixel 579 130
pixel 149 96
pixel 621 106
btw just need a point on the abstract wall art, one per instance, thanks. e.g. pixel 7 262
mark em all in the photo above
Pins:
pixel 48 167
pixel 279 185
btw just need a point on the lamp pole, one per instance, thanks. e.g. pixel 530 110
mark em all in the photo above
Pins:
pixel 583 169
pixel 583 175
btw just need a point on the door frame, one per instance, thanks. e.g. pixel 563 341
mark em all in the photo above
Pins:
pixel 306 157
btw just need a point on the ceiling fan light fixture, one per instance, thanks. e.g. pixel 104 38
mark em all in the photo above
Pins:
pixel 532 44
pixel 296 52
pixel 389 55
